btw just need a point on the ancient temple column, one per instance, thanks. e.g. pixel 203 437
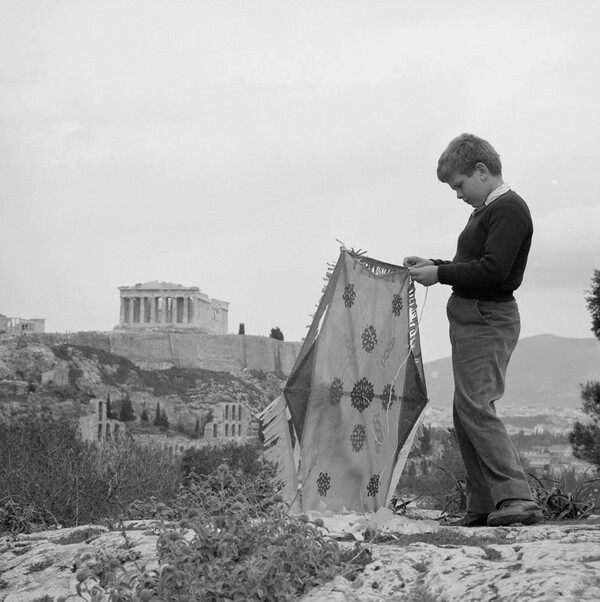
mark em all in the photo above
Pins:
pixel 168 309
pixel 181 310
pixel 152 310
pixel 147 309
pixel 129 311
pixel 190 310
pixel 122 312
pixel 160 310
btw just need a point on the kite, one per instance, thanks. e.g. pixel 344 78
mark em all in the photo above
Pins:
pixel 342 428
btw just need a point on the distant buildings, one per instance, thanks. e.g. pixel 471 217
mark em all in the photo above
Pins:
pixel 21 325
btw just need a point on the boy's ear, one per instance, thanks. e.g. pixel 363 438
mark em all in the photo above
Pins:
pixel 482 170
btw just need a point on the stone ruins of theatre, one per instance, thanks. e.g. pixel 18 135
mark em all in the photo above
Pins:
pixel 166 305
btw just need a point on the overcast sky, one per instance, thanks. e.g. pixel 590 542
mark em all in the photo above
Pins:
pixel 229 145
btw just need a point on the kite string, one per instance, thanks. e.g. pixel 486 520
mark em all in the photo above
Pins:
pixel 410 350
pixel 411 345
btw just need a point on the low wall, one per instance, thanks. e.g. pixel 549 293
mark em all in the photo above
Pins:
pixel 91 338
pixel 221 352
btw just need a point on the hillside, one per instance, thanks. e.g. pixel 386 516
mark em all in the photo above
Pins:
pixel 61 379
pixel 545 371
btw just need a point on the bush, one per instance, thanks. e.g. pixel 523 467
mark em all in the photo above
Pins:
pixel 276 333
pixel 442 480
pixel 49 477
pixel 569 497
pixel 206 460
pixel 235 542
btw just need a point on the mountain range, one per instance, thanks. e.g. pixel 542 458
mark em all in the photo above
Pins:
pixel 544 371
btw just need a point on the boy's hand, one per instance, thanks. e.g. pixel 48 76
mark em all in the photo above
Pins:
pixel 425 275
pixel 416 262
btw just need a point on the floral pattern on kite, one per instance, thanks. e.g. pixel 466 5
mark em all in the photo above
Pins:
pixel 373 486
pixel 362 394
pixel 369 338
pixel 397 305
pixel 349 295
pixel 388 396
pixel 323 484
pixel 358 437
pixel 336 391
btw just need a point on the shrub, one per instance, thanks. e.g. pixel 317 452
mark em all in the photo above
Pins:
pixel 206 460
pixel 276 333
pixel 234 542
pixel 48 476
pixel 443 480
pixel 15 518
pixel 560 500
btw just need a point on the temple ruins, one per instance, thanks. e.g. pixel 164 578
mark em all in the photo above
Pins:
pixel 153 305
pixel 21 325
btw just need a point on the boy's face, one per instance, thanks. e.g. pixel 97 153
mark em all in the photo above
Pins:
pixel 473 189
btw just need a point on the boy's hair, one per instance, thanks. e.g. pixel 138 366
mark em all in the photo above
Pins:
pixel 462 155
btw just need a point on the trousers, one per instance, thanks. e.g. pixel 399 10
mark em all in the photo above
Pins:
pixel 483 335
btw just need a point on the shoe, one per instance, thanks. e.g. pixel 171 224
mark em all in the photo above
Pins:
pixel 470 519
pixel 515 511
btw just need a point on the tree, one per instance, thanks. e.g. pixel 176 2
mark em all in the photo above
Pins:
pixel 585 438
pixel 593 303
pixel 276 333
pixel 425 441
pixel 242 328
pixel 161 418
pixel 126 414
pixel 144 416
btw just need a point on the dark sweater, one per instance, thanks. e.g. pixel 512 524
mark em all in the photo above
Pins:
pixel 491 252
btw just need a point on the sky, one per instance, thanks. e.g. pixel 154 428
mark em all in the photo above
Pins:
pixel 234 145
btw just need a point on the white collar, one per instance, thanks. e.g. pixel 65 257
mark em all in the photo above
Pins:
pixel 504 188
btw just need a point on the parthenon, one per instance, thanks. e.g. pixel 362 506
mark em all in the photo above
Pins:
pixel 166 305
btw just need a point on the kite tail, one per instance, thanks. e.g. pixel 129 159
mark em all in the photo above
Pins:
pixel 279 448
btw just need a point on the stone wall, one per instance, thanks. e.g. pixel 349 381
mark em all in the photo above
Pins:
pixel 159 349
pixel 88 338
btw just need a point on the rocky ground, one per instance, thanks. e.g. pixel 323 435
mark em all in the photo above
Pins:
pixel 416 560
pixel 545 563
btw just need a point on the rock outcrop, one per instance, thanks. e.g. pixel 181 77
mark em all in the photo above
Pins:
pixel 545 563
pixel 420 561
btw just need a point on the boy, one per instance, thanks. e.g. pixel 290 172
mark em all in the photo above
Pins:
pixel 484 322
